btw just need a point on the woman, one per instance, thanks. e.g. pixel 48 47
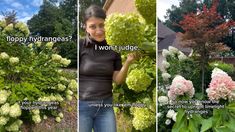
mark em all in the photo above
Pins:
pixel 97 70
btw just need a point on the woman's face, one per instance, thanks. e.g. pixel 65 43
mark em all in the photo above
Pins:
pixel 95 27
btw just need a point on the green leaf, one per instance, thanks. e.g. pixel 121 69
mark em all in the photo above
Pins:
pixel 231 106
pixel 217 118
pixel 192 126
pixel 181 121
pixel 223 129
pixel 206 124
pixel 230 124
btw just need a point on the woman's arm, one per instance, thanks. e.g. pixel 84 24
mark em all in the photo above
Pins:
pixel 120 76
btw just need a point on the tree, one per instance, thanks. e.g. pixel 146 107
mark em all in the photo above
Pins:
pixel 58 21
pixel 10 17
pixel 175 14
pixel 204 32
pixel 50 21
pixel 69 8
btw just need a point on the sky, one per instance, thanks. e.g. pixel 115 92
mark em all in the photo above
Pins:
pixel 163 5
pixel 25 9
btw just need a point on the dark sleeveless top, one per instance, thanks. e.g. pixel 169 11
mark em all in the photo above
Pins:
pixel 96 69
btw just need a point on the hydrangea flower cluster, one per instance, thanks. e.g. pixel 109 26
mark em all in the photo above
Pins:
pixel 172 51
pixel 163 100
pixel 12 60
pixel 36 116
pixel 138 80
pixel 180 86
pixel 19 26
pixel 119 26
pixel 171 114
pixel 143 118
pixel 57 58
pixel 7 113
pixel 221 86
pixel 3 96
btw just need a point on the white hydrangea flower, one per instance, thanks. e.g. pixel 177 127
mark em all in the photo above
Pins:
pixel 59 71
pixel 3 96
pixel 163 100
pixel 59 98
pixel 2 72
pixel 8 28
pixel 49 45
pixel 63 79
pixel 15 110
pixel 44 117
pixel 14 60
pixel 174 117
pixel 4 55
pixel 30 45
pixel 165 64
pixel 5 109
pixel 69 97
pixel 168 122
pixel 61 87
pixel 65 61
pixel 14 126
pixel 165 53
pixel 57 119
pixel 44 99
pixel 22 27
pixel 56 57
pixel 73 85
pixel 38 43
pixel 159 114
pixel 36 111
pixel 61 115
pixel 182 56
pixel 3 120
pixel 170 113
pixel 3 23
pixel 166 76
pixel 216 71
pixel 36 118
pixel 52 98
pixel 173 50
pixel 69 92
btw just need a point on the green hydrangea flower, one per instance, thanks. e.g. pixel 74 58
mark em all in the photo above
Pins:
pixel 138 80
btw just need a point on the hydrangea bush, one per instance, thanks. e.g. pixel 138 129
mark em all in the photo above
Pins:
pixel 178 78
pixel 147 8
pixel 30 73
pixel 136 30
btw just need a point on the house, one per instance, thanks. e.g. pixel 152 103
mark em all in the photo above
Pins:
pixel 166 38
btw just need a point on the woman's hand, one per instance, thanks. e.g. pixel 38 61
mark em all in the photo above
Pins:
pixel 131 57
pixel 120 76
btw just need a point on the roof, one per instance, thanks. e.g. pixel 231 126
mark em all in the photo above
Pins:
pixel 168 37
pixel 163 30
pixel 120 6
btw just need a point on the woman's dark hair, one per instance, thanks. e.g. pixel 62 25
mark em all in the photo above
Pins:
pixel 94 11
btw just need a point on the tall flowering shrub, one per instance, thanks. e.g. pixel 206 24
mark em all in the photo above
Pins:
pixel 30 73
